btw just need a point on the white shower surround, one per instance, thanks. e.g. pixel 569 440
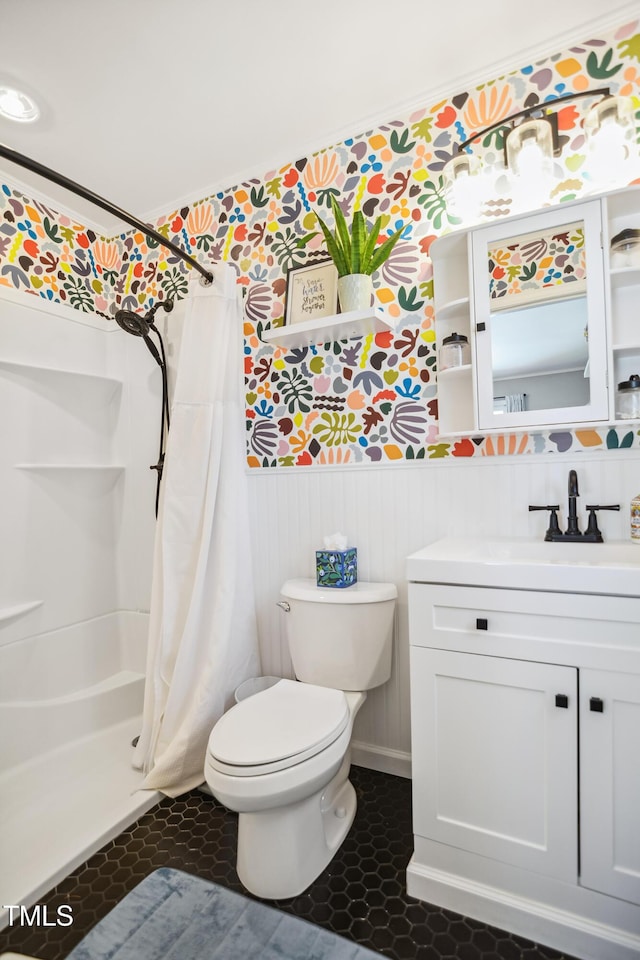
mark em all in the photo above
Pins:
pixel 81 410
pixel 67 785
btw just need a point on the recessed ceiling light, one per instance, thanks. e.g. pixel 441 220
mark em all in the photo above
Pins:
pixel 16 105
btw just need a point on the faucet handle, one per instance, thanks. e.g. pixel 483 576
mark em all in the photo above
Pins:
pixel 553 530
pixel 592 524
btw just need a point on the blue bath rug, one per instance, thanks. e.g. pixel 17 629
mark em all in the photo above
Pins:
pixel 174 916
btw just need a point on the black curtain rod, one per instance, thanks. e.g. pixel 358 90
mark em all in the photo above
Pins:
pixel 81 191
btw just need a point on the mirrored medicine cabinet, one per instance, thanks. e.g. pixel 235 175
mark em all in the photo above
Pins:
pixel 550 319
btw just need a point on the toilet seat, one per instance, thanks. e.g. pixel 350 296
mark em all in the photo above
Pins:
pixel 277 728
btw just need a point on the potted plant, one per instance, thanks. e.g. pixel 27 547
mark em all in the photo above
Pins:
pixel 356 254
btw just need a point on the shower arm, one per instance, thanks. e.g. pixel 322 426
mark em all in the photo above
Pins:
pixel 8 154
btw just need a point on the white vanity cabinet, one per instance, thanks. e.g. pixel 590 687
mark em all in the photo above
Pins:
pixel 525 709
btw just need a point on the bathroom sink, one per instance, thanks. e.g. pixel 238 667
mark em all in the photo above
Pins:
pixel 606 568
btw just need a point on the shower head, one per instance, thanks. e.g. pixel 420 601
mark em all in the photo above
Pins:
pixel 138 325
pixel 133 323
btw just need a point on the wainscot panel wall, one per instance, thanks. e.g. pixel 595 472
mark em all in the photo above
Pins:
pixel 388 512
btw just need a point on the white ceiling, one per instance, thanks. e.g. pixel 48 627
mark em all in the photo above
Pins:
pixel 153 103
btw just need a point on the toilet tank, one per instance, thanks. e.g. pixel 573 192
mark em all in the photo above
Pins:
pixel 340 638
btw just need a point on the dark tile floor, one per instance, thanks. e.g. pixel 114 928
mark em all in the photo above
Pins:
pixel 361 894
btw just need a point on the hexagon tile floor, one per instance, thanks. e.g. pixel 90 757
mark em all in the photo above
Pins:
pixel 361 894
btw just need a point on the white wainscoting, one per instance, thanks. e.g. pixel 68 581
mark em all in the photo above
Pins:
pixel 388 512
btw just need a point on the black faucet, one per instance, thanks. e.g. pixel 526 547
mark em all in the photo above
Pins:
pixel 573 534
pixel 572 526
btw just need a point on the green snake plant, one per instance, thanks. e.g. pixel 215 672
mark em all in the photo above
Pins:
pixel 354 250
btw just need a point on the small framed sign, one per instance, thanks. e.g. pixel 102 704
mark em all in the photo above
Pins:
pixel 312 291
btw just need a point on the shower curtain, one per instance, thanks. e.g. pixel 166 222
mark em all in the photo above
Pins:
pixel 202 628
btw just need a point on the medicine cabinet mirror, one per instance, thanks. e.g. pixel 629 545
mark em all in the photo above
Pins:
pixel 539 308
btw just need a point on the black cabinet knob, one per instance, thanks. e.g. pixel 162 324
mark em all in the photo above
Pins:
pixel 562 700
pixel 596 705
pixel 482 623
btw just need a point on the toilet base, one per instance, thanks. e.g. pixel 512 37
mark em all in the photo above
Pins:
pixel 282 851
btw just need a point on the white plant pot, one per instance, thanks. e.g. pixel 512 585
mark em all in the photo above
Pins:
pixel 355 292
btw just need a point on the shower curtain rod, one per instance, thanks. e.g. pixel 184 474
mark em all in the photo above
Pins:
pixel 81 191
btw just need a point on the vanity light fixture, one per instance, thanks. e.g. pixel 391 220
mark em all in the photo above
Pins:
pixel 611 135
pixel 532 142
pixel 463 175
pixel 17 105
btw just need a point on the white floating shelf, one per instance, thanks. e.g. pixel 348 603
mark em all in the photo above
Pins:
pixel 18 610
pixel 342 326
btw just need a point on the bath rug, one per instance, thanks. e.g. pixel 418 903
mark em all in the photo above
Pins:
pixel 174 916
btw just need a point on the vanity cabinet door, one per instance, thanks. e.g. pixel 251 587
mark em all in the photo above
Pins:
pixel 610 783
pixel 495 758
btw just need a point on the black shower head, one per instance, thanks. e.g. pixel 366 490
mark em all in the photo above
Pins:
pixel 133 323
pixel 138 325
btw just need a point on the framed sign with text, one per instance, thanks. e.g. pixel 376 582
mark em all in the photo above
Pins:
pixel 312 291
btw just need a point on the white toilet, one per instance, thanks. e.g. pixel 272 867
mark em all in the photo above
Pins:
pixel 281 758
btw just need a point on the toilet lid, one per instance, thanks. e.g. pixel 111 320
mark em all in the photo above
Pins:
pixel 280 726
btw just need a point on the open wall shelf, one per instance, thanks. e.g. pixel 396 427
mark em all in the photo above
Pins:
pixel 342 326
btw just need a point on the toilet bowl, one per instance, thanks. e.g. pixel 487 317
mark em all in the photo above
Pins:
pixel 281 757
pixel 289 782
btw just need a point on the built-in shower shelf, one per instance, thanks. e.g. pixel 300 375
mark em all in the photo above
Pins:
pixel 87 467
pixel 94 472
pixel 18 610
pixel 90 476
pixel 104 387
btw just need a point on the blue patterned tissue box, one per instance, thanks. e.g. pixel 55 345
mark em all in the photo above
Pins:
pixel 337 568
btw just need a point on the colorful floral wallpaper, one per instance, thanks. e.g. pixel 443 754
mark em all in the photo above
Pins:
pixel 548 264
pixel 371 399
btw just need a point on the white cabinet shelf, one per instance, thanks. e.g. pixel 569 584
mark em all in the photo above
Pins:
pixel 455 309
pixel 342 326
pixel 624 276
pixel 455 373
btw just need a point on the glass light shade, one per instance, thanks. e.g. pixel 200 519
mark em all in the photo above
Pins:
pixel 463 186
pixel 610 129
pixel 529 149
pixel 16 105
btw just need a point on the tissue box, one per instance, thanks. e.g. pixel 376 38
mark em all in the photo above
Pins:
pixel 337 568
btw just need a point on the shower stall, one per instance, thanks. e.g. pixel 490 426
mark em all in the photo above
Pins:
pixel 80 412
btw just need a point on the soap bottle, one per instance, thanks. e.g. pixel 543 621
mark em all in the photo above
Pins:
pixel 635 520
